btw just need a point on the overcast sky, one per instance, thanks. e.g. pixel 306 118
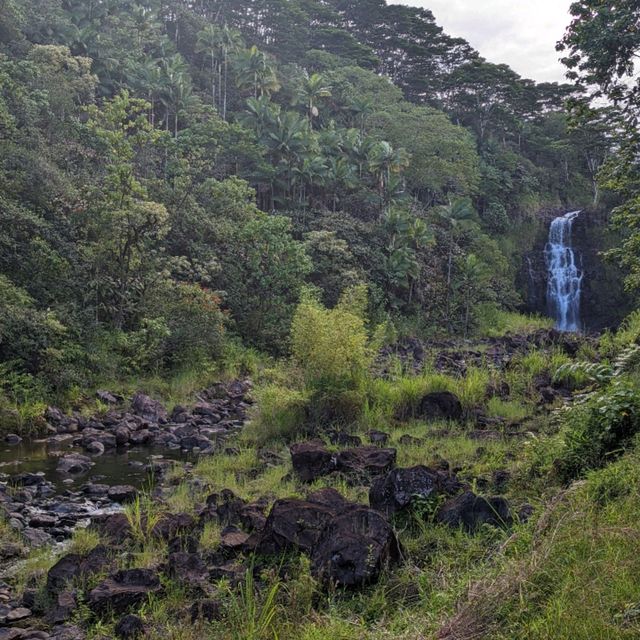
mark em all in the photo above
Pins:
pixel 522 33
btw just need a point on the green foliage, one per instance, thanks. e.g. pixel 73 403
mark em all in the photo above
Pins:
pixel 600 429
pixel 264 272
pixel 253 616
pixel 280 414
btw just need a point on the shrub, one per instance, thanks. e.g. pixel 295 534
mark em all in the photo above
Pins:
pixel 599 429
pixel 331 345
pixel 195 325
pixel 332 349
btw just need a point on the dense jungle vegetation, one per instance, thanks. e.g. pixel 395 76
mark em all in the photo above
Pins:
pixel 299 226
pixel 174 174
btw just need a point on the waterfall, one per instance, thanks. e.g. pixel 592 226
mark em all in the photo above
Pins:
pixel 564 286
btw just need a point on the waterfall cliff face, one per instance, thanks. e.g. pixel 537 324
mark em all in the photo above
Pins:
pixel 564 284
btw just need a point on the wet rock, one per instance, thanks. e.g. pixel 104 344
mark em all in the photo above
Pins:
pixel 400 487
pixel 94 447
pixel 122 493
pixel 30 479
pixel 440 405
pixel 130 627
pixel 74 464
pixel 196 442
pixel 149 409
pixel 366 461
pixel 12 438
pixel 470 512
pixel 141 437
pixel 124 589
pixel 311 460
pixel 354 547
pixel 122 435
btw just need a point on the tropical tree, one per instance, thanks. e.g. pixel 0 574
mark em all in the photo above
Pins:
pixel 314 87
pixel 456 216
pixel 254 73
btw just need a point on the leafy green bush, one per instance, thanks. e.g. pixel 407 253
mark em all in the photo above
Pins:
pixel 599 430
pixel 195 325
pixel 332 349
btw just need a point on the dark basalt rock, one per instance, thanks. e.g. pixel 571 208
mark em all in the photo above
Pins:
pixel 188 567
pixel 378 437
pixel 354 547
pixel 63 608
pixel 207 610
pixel 171 525
pixel 124 589
pixel 148 409
pixel 440 405
pixel 107 397
pixel 73 566
pixel 68 632
pixel 130 627
pixel 294 524
pixel 470 512
pixel 366 461
pixel 344 439
pixel 74 464
pixel 400 487
pixel 311 460
pixel 114 528
pixel 122 493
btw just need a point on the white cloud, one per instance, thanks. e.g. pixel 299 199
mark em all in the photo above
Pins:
pixel 519 32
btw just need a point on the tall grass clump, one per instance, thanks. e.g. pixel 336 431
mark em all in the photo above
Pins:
pixel 252 615
pixel 280 413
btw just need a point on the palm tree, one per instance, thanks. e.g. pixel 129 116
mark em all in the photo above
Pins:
pixel 313 88
pixel 149 80
pixel 457 216
pixel 260 115
pixel 230 41
pixel 361 107
pixel 177 92
pixel 208 43
pixel 254 73
pixel 473 278
pixel 385 161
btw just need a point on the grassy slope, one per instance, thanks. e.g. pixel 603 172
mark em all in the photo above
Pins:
pixel 571 572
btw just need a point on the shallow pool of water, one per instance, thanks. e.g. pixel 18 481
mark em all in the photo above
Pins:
pixel 123 466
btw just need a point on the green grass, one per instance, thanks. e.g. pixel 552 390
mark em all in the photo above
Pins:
pixel 495 323
pixel 579 578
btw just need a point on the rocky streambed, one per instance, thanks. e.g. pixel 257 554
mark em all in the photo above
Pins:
pixel 86 467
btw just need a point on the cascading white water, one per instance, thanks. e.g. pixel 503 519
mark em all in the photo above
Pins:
pixel 564 287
